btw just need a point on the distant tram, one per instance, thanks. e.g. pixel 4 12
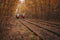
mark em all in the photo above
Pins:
pixel 20 16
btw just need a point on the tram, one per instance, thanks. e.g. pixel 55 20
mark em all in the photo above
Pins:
pixel 18 16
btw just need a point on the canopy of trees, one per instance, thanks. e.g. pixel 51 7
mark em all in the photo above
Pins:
pixel 43 9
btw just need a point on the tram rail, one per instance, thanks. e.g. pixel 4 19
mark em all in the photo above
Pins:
pixel 52 29
pixel 40 31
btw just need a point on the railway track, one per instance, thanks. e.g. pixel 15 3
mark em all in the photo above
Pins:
pixel 57 25
pixel 47 27
pixel 43 32
pixel 30 29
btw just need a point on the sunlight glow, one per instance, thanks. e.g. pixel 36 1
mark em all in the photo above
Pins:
pixel 22 1
pixel 16 10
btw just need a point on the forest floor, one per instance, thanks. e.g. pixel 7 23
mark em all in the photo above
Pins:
pixel 14 30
